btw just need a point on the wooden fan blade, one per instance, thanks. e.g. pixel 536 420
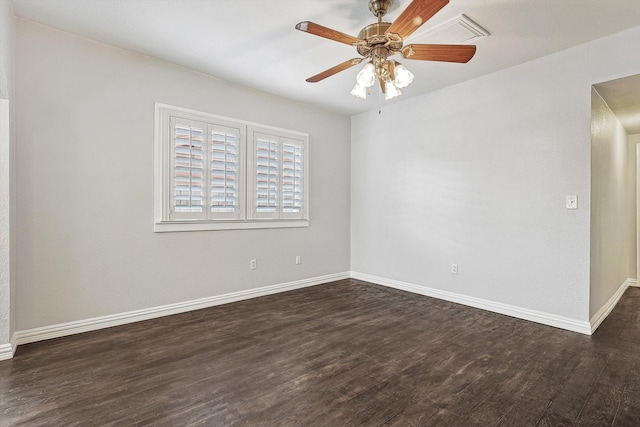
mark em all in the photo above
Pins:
pixel 416 14
pixel 331 71
pixel 327 33
pixel 439 52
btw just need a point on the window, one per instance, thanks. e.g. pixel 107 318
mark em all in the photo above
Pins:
pixel 204 170
pixel 209 175
pixel 277 159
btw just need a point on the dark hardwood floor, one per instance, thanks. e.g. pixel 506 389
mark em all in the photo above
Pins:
pixel 344 353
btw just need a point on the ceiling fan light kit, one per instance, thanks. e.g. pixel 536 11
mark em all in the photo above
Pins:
pixel 381 40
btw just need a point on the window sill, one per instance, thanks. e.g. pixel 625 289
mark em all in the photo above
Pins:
pixel 178 226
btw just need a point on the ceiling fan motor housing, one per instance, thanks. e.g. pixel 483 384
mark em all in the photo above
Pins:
pixel 374 35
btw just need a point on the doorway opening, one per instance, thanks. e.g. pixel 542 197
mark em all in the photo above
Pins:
pixel 615 222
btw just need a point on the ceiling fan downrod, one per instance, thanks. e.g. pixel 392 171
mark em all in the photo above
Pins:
pixel 379 8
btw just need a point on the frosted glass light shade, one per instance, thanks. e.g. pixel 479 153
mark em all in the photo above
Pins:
pixel 359 91
pixel 404 77
pixel 391 91
pixel 367 76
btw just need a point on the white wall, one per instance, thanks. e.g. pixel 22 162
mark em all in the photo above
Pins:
pixel 612 205
pixel 476 174
pixel 85 169
pixel 7 194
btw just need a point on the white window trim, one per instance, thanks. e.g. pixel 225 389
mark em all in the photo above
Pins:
pixel 162 177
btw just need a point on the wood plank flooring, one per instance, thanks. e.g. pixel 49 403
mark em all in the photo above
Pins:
pixel 344 353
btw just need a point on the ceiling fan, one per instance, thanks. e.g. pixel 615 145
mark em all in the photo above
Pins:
pixel 381 40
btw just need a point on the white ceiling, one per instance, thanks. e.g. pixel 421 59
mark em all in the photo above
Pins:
pixel 254 43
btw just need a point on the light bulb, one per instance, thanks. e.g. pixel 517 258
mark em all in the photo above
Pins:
pixel 366 77
pixel 404 77
pixel 359 91
pixel 391 91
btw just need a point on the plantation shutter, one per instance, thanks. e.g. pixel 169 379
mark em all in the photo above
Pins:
pixel 292 178
pixel 278 187
pixel 266 176
pixel 224 172
pixel 206 171
pixel 188 195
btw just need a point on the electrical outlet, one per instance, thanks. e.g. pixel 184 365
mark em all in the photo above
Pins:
pixel 297 259
pixel 254 264
pixel 454 268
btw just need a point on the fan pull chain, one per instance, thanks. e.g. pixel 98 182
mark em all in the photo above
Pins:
pixel 379 102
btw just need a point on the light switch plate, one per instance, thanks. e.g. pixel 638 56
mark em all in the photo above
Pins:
pixel 572 202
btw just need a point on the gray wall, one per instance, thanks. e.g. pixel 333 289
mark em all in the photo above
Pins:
pixel 476 174
pixel 85 178
pixel 7 181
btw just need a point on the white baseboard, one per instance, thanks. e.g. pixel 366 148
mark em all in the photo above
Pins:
pixel 76 327
pixel 496 307
pixel 606 309
pixel 70 328
pixel 6 351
